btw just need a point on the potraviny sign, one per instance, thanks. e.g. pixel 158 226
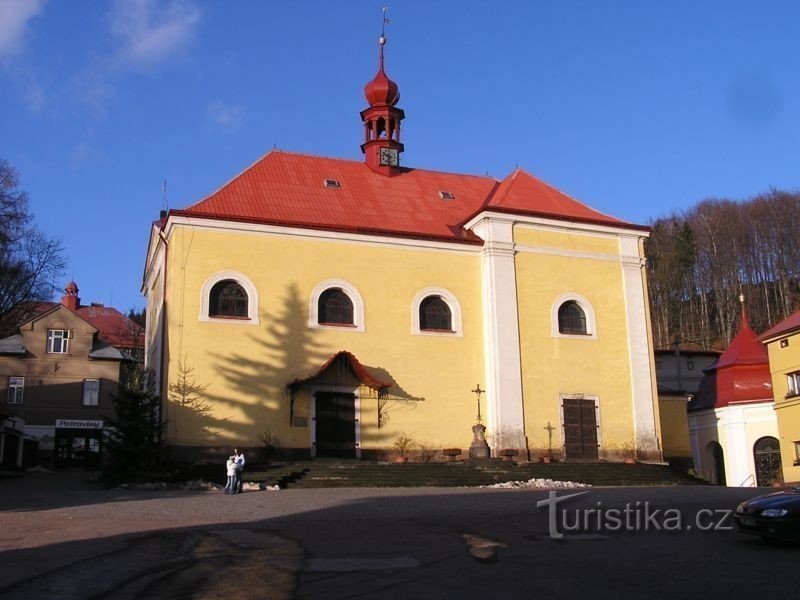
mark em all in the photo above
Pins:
pixel 78 424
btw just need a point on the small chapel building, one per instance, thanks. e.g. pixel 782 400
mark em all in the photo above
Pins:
pixel 327 306
pixel 732 424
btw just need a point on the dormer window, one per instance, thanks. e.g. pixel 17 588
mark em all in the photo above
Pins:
pixel 332 183
pixel 445 195
pixel 58 341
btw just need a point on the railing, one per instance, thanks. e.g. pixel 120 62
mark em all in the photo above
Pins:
pixel 750 478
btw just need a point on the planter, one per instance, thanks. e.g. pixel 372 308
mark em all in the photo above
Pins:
pixel 508 454
pixel 452 454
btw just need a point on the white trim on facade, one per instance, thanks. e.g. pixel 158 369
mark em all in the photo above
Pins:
pixel 588 312
pixel 504 406
pixel 406 243
pixel 352 293
pixel 524 248
pixel 736 428
pixel 639 348
pixel 453 305
pixel 249 288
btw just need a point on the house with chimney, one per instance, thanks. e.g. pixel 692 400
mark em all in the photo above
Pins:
pixel 58 375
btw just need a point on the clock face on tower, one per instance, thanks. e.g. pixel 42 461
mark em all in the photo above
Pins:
pixel 389 157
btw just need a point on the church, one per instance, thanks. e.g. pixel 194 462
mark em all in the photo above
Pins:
pixel 328 307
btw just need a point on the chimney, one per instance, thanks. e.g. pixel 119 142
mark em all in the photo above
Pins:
pixel 70 298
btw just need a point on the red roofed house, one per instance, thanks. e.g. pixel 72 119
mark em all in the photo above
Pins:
pixel 333 305
pixel 732 424
pixel 60 372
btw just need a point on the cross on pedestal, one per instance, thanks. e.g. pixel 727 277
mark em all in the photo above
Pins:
pixel 549 429
pixel 478 391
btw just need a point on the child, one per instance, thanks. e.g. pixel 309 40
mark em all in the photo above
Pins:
pixel 230 487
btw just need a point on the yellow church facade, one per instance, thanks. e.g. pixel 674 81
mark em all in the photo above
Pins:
pixel 329 306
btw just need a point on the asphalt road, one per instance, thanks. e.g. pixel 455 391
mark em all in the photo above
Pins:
pixel 63 538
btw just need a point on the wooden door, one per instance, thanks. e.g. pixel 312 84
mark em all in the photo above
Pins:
pixel 580 428
pixel 335 424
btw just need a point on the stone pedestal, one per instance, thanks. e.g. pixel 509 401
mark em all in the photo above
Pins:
pixel 479 448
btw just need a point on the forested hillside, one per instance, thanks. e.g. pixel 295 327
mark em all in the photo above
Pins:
pixel 699 261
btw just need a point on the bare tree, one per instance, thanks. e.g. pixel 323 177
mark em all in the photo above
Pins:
pixel 702 259
pixel 29 260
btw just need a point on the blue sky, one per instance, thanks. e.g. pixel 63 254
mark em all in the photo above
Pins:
pixel 636 108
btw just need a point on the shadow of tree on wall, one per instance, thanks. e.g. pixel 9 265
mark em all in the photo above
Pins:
pixel 191 404
pixel 289 351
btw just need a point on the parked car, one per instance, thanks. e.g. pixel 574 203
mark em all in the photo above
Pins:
pixel 773 516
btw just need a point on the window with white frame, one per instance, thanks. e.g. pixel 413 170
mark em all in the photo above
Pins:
pixel 229 297
pixel 436 311
pixel 336 304
pixel 572 316
pixel 793 379
pixel 58 341
pixel 16 388
pixel 91 392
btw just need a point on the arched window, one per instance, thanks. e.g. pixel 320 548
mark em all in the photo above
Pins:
pixel 571 319
pixel 335 308
pixel 435 311
pixel 434 315
pixel 228 299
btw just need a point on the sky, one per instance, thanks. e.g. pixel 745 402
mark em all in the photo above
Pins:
pixel 636 108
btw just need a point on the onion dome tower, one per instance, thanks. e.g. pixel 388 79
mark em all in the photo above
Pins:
pixel 381 120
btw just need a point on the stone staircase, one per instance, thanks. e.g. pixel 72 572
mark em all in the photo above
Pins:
pixel 325 473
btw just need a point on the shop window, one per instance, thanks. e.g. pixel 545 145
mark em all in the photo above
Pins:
pixel 91 392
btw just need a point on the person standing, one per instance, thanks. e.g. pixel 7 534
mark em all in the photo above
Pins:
pixel 239 460
pixel 230 467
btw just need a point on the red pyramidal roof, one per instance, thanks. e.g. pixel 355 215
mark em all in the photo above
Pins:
pixel 741 375
pixel 290 189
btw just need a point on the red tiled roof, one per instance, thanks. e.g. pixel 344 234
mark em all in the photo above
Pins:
pixel 287 189
pixel 522 193
pixel 359 370
pixel 741 375
pixel 112 326
pixel 785 326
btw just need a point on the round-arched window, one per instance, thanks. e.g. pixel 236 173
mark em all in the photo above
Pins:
pixel 335 308
pixel 434 315
pixel 571 319
pixel 228 299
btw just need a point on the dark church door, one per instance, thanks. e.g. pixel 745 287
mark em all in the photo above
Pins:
pixel 580 428
pixel 335 424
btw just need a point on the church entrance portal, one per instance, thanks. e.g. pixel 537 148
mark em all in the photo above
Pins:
pixel 335 424
pixel 580 428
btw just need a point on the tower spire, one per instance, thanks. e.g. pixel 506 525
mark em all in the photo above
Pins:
pixel 382 118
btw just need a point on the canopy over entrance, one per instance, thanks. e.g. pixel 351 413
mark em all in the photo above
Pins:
pixel 343 368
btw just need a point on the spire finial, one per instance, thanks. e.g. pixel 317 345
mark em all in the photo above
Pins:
pixel 744 311
pixel 382 39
